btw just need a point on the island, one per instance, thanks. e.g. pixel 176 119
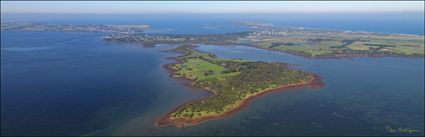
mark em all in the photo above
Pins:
pixel 232 82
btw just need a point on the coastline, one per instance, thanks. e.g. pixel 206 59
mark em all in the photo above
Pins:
pixel 338 56
pixel 305 55
pixel 315 82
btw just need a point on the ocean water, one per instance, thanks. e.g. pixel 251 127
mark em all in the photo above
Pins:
pixel 56 83
pixel 406 23
pixel 362 96
pixel 61 83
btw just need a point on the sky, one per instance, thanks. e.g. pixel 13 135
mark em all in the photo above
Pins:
pixel 149 7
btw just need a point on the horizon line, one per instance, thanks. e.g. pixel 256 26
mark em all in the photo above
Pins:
pixel 210 7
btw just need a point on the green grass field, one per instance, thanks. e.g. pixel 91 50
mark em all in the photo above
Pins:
pixel 346 45
pixel 231 80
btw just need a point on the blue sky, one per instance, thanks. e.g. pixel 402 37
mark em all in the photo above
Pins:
pixel 149 7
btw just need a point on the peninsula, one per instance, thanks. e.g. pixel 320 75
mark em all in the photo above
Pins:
pixel 232 82
pixel 308 42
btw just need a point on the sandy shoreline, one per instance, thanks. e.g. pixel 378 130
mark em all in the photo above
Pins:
pixel 315 82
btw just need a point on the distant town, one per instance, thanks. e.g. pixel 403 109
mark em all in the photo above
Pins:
pixel 125 29
pixel 308 42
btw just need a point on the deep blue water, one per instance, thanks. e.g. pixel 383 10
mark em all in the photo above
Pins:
pixel 73 83
pixel 58 83
pixel 362 96
pixel 406 23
